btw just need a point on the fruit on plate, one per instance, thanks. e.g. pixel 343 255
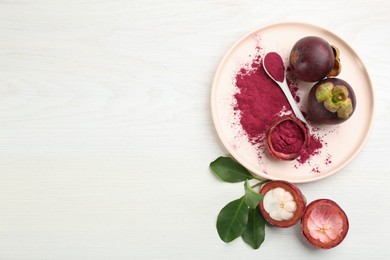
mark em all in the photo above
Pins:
pixel 283 203
pixel 313 58
pixel 287 137
pixel 324 224
pixel 331 101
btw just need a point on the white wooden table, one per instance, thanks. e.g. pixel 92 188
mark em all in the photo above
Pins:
pixel 106 133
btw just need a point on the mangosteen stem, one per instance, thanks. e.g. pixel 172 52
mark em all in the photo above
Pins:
pixel 338 98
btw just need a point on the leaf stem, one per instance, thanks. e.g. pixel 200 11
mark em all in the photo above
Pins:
pixel 259 183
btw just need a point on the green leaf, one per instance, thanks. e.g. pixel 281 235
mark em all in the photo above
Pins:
pixel 252 198
pixel 232 220
pixel 254 233
pixel 229 170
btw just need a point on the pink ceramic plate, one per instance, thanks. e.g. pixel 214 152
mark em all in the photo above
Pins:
pixel 343 142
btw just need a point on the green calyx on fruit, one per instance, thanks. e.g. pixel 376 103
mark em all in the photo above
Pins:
pixel 335 99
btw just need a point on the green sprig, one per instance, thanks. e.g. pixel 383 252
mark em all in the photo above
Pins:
pixel 240 217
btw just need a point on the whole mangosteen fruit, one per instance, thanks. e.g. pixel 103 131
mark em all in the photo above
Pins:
pixel 312 59
pixel 331 101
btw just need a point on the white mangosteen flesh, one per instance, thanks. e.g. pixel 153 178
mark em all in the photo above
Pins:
pixel 283 203
pixel 279 204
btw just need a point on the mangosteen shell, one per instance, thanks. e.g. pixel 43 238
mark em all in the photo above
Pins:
pixel 280 155
pixel 306 232
pixel 299 199
pixel 311 59
pixel 319 113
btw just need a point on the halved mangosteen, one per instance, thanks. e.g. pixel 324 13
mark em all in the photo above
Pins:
pixel 324 224
pixel 283 203
pixel 287 137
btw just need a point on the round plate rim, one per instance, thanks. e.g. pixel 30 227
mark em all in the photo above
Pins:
pixel 255 172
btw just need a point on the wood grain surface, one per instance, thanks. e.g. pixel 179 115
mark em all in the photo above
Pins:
pixel 106 133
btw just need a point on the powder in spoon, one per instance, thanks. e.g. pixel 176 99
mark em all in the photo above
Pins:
pixel 274 65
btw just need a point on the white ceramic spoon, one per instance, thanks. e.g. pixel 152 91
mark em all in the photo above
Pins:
pixel 274 67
